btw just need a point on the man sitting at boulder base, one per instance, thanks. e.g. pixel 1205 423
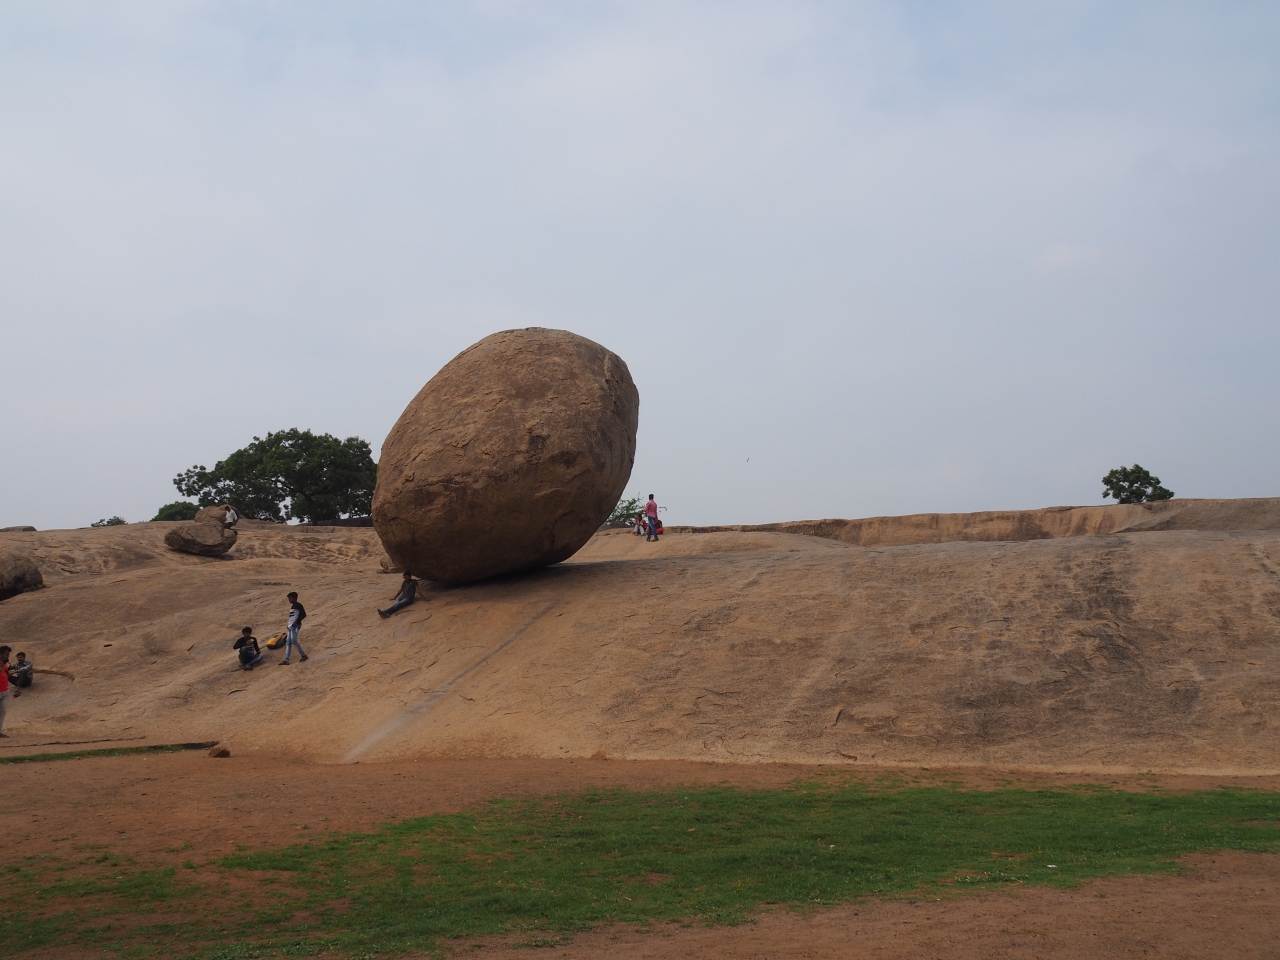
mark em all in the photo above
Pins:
pixel 408 590
pixel 247 644
pixel 21 673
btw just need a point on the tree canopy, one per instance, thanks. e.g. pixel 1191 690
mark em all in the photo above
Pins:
pixel 178 510
pixel 291 474
pixel 1134 485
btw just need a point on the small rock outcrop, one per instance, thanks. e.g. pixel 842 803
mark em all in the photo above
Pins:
pixel 509 459
pixel 17 529
pixel 203 539
pixel 18 574
pixel 216 514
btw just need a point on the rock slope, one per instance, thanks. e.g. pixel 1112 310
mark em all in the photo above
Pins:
pixel 1129 651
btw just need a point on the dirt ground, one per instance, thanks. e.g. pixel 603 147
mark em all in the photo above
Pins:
pixel 1225 906
pixel 171 807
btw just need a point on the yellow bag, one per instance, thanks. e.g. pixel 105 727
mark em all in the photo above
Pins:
pixel 275 641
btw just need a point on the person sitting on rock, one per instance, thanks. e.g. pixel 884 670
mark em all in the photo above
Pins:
pixel 21 673
pixel 247 644
pixel 408 591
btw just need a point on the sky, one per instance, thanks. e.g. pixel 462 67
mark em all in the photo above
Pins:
pixel 861 258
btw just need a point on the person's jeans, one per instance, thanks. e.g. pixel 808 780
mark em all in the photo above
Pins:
pixel 291 641
pixel 398 605
pixel 253 661
pixel 4 708
pixel 651 525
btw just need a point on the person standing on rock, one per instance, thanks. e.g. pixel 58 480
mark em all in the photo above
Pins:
pixel 297 613
pixel 4 687
pixel 408 590
pixel 651 519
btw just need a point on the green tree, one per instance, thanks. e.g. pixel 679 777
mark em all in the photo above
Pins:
pixel 178 510
pixel 109 522
pixel 1133 485
pixel 292 474
pixel 625 511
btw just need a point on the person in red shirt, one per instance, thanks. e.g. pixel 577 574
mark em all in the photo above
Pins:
pixel 4 687
pixel 651 518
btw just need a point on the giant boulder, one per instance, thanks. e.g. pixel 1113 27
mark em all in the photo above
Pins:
pixel 203 539
pixel 509 459
pixel 18 574
pixel 216 514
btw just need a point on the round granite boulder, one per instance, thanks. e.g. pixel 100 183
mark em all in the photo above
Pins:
pixel 219 514
pixel 509 459
pixel 203 539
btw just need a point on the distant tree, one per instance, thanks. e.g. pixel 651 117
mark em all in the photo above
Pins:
pixel 625 511
pixel 178 510
pixel 292 474
pixel 1133 485
pixel 109 522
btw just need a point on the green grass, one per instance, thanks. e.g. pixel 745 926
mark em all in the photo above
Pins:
pixel 544 867
pixel 107 752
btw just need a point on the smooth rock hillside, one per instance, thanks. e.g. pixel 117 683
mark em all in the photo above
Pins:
pixel 509 459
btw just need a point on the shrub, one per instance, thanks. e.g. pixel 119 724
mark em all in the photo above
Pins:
pixel 109 522
pixel 625 511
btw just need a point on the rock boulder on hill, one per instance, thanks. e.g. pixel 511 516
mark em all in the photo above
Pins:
pixel 216 514
pixel 509 459
pixel 204 539
pixel 18 574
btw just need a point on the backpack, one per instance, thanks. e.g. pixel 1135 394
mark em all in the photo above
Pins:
pixel 274 641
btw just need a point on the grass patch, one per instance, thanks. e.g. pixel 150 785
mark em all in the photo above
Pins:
pixel 543 867
pixel 108 752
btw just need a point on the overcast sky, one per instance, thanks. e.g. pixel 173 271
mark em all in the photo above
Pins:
pixel 861 258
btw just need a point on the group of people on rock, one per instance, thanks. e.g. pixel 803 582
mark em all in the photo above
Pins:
pixel 250 653
pixel 16 676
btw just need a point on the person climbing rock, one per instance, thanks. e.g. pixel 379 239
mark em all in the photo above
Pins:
pixel 408 591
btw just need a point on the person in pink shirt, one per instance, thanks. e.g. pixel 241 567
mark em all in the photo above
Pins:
pixel 651 518
pixel 4 687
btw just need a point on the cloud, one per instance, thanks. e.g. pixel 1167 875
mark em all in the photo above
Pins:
pixel 1063 256
pixel 912 257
